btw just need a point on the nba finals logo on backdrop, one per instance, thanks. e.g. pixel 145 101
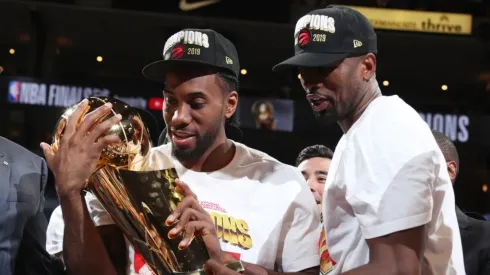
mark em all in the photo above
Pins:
pixel 33 93
pixel 14 92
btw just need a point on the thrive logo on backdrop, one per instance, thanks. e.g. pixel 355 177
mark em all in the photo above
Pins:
pixel 14 91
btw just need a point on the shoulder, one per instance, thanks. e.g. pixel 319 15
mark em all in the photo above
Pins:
pixel 164 151
pixel 24 161
pixel 394 112
pixel 160 157
pixel 475 235
pixel 482 229
pixel 250 155
pixel 270 168
pixel 393 127
pixel 17 152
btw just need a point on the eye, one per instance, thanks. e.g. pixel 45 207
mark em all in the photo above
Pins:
pixel 170 100
pixel 197 103
pixel 322 179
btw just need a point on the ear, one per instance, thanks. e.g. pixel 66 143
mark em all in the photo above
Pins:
pixel 368 66
pixel 231 104
pixel 451 169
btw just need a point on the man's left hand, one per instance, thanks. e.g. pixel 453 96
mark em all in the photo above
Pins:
pixel 191 219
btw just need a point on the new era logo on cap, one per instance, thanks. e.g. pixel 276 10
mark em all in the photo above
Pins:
pixel 195 47
pixel 325 37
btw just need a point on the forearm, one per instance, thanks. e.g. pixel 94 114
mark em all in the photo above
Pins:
pixel 83 249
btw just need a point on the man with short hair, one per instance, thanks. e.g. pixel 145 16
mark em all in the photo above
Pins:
pixel 314 162
pixel 237 186
pixel 388 205
pixel 475 233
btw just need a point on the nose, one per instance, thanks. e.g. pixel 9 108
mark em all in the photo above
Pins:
pixel 311 87
pixel 182 115
pixel 311 185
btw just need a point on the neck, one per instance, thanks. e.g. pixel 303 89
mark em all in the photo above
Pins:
pixel 216 157
pixel 366 99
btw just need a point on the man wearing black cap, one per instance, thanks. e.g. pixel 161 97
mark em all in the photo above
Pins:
pixel 388 204
pixel 239 213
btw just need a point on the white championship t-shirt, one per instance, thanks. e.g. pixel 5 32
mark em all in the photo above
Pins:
pixel 388 175
pixel 269 203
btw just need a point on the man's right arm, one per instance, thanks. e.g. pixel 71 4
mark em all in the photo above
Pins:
pixel 87 250
pixel 72 161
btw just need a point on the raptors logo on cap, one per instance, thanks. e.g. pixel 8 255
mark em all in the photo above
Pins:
pixel 177 51
pixel 304 37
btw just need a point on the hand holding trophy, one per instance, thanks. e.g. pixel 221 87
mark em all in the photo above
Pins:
pixel 81 147
pixel 113 146
pixel 190 218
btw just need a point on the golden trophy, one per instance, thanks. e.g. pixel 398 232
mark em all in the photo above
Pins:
pixel 139 199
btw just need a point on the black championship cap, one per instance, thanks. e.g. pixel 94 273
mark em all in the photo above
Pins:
pixel 325 37
pixel 196 46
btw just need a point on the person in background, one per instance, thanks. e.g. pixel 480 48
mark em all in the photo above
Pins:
pixel 263 113
pixel 314 162
pixel 23 177
pixel 475 233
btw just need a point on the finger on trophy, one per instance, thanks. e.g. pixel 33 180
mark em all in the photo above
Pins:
pixel 189 233
pixel 184 189
pixel 103 127
pixel 75 118
pixel 187 202
pixel 188 215
pixel 93 118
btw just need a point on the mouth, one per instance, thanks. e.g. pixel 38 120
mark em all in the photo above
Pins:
pixel 319 102
pixel 182 139
pixel 317 197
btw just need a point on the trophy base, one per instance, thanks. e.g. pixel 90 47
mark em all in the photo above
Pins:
pixel 236 266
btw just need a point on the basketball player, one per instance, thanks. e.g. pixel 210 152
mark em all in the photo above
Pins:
pixel 387 190
pixel 388 203
pixel 236 186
